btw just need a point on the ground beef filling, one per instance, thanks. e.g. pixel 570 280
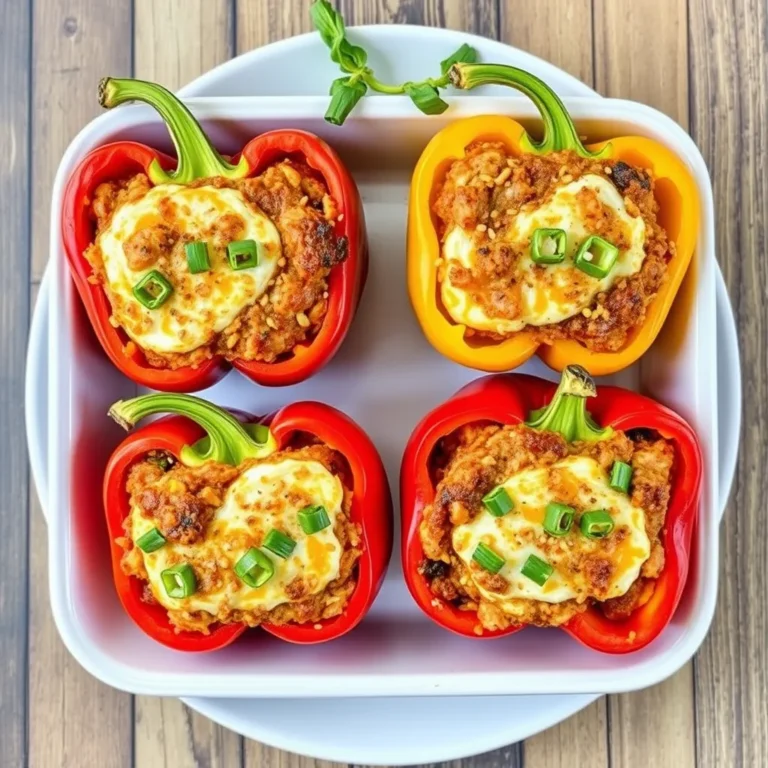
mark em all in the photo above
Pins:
pixel 183 500
pixel 486 189
pixel 295 303
pixel 476 458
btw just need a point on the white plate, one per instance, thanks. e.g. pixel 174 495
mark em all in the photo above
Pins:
pixel 498 721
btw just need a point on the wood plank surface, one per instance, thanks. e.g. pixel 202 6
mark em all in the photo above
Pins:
pixel 729 107
pixel 15 148
pixel 75 44
pixel 709 54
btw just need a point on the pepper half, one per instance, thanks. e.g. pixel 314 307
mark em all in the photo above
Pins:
pixel 675 191
pixel 202 432
pixel 197 159
pixel 518 399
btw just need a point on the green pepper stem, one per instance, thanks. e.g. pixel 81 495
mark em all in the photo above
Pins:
pixel 559 131
pixel 567 412
pixel 227 441
pixel 197 158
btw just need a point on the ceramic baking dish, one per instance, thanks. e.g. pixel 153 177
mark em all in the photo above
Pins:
pixel 386 377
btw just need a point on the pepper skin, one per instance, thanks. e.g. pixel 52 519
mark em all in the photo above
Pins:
pixel 679 214
pixel 231 439
pixel 198 159
pixel 513 399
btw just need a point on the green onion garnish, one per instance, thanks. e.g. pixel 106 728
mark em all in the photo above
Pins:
pixel 558 518
pixel 621 475
pixel 596 256
pixel 498 502
pixel 548 246
pixel 197 256
pixel 537 570
pixel 487 559
pixel 596 524
pixel 254 568
pixel 243 254
pixel 152 290
pixel 279 544
pixel 150 541
pixel 313 519
pixel 179 581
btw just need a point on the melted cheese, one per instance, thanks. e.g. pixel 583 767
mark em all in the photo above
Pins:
pixel 263 497
pixel 554 292
pixel 520 534
pixel 202 304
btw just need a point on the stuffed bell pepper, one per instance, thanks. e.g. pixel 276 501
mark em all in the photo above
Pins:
pixel 191 264
pixel 569 251
pixel 220 522
pixel 521 507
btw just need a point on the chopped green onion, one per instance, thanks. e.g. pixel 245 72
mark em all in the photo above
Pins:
pixel 558 518
pixel 278 543
pixel 150 541
pixel 426 97
pixel 487 559
pixel 537 570
pixel 243 254
pixel 621 475
pixel 179 581
pixel 548 246
pixel 344 96
pixel 596 524
pixel 313 519
pixel 498 502
pixel 596 256
pixel 153 290
pixel 197 256
pixel 254 568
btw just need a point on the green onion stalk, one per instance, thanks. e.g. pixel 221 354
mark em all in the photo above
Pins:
pixel 227 440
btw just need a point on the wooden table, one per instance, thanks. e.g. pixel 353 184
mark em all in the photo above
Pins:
pixel 704 62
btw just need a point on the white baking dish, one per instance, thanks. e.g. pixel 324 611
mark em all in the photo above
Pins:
pixel 386 376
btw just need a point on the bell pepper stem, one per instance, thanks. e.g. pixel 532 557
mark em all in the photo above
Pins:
pixel 559 131
pixel 197 158
pixel 227 440
pixel 567 412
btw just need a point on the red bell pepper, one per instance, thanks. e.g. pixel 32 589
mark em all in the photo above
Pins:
pixel 231 439
pixel 518 399
pixel 198 159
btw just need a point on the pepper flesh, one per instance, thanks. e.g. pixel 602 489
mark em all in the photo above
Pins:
pixel 510 399
pixel 675 191
pixel 198 159
pixel 207 432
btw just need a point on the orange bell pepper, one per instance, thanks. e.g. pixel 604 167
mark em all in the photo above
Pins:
pixel 675 192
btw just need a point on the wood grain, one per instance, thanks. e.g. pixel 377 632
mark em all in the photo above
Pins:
pixel 170 735
pixel 624 32
pixel 729 106
pixel 480 17
pixel 15 42
pixel 542 27
pixel 75 44
pixel 174 42
pixel 177 40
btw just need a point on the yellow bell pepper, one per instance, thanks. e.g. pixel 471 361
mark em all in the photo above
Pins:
pixel 678 214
